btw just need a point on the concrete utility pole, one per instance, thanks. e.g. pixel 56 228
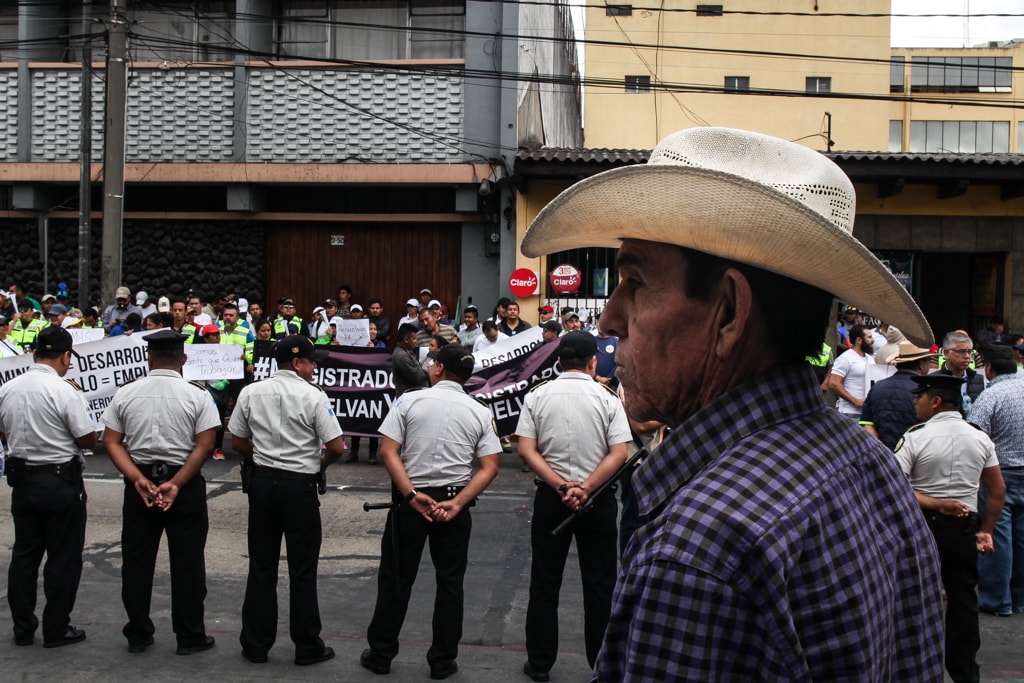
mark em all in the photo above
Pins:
pixel 85 176
pixel 113 150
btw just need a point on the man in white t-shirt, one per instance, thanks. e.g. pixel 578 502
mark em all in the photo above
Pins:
pixel 490 336
pixel 849 378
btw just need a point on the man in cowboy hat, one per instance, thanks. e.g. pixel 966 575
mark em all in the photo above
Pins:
pixel 784 542
pixel 889 408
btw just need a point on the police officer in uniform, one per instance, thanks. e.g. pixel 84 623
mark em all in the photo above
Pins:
pixel 573 434
pixel 159 432
pixel 945 458
pixel 26 327
pixel 430 438
pixel 46 425
pixel 280 423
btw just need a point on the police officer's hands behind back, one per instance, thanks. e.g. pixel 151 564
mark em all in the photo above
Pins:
pixel 165 495
pixel 425 505
pixel 147 490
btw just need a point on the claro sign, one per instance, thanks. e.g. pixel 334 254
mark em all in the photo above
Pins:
pixel 565 279
pixel 523 282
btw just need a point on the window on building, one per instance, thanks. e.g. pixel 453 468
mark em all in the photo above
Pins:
pixel 895 136
pixel 737 83
pixel 709 10
pixel 9 33
pixel 984 137
pixel 896 66
pixel 961 74
pixel 638 84
pixel 819 84
pixel 372 29
pixel 1020 138
pixel 618 10
pixel 182 32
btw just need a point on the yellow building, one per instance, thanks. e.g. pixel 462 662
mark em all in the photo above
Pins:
pixel 930 137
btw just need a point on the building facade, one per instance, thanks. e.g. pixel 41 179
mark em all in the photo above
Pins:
pixel 283 148
pixel 932 138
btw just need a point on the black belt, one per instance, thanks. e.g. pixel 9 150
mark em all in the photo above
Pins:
pixel 273 473
pixel 157 472
pixel 435 492
pixel 60 469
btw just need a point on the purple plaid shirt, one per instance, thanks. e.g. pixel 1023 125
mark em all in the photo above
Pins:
pixel 786 546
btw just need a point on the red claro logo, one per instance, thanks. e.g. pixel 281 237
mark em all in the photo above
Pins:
pixel 565 279
pixel 523 282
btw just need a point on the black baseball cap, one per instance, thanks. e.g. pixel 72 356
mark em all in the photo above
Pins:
pixel 166 340
pixel 577 345
pixel 54 338
pixel 552 326
pixel 297 346
pixel 456 360
pixel 936 380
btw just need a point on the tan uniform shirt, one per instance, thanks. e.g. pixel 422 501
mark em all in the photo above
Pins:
pixel 160 416
pixel 42 415
pixel 287 419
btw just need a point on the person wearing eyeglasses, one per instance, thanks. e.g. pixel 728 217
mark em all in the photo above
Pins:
pixel 957 353
pixel 287 323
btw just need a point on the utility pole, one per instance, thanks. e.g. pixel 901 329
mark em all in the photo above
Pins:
pixel 85 176
pixel 113 150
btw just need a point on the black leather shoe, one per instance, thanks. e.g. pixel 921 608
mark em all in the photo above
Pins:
pixel 201 646
pixel 375 664
pixel 443 671
pixel 325 654
pixel 72 635
pixel 22 641
pixel 539 676
pixel 136 648
pixel 253 657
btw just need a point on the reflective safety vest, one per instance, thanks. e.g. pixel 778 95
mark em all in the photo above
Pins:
pixel 26 336
pixel 284 328
pixel 240 335
pixel 188 329
pixel 822 359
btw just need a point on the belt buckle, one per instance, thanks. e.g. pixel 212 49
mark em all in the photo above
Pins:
pixel 159 471
pixel 451 491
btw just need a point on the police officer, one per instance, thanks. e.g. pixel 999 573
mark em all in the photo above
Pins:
pixel 159 432
pixel 26 327
pixel 573 434
pixel 46 425
pixel 287 323
pixel 280 423
pixel 430 438
pixel 945 458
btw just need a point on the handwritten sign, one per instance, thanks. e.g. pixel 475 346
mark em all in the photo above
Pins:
pixel 85 335
pixel 214 362
pixel 352 332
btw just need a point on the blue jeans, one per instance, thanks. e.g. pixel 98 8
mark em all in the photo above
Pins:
pixel 1001 574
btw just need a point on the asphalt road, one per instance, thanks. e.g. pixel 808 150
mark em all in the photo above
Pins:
pixel 497 584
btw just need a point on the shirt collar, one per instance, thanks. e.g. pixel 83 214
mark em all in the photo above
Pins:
pixel 1003 378
pixel 450 386
pixel 777 395
pixel 43 367
pixel 945 416
pixel 164 373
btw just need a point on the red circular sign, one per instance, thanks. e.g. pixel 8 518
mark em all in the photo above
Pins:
pixel 523 282
pixel 565 279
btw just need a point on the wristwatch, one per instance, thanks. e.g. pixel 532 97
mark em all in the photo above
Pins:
pixel 412 494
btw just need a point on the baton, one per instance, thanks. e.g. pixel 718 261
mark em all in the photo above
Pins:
pixel 630 463
pixel 379 506
pixel 392 508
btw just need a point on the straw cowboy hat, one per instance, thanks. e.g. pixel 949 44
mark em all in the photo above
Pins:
pixel 743 196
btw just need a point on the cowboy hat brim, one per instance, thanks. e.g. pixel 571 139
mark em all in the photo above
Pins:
pixel 728 216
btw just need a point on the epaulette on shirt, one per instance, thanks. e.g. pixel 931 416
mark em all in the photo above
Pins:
pixel 74 384
pixel 197 384
pixel 537 386
pixel 611 391
pixel 899 444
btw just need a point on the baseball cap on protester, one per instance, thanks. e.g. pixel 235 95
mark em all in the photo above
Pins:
pixel 355 307
pixel 577 346
pixel 294 347
pixel 121 292
pixel 412 302
pixel 456 360
pixel 58 309
pixel 50 297
pixel 552 326
pixel 163 304
pixel 54 338
pixel 208 329
pixel 545 309
pixel 141 298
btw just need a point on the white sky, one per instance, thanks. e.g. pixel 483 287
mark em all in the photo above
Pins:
pixel 955 31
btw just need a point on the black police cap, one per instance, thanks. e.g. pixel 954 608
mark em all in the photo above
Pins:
pixel 166 340
pixel 936 380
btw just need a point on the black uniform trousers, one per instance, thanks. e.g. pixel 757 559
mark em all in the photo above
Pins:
pixel 449 552
pixel 958 559
pixel 282 504
pixel 186 525
pixel 49 516
pixel 595 534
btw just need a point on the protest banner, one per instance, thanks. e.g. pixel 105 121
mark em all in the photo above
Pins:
pixel 503 386
pixel 508 349
pixel 208 362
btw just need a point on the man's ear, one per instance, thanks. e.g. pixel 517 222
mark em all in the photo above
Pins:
pixel 736 312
